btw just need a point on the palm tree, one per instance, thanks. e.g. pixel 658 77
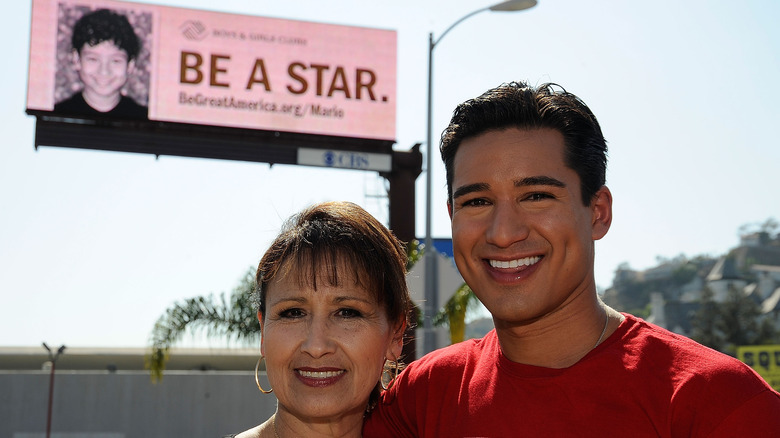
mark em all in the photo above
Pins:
pixel 454 313
pixel 231 317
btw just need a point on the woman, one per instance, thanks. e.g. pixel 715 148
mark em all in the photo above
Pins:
pixel 333 306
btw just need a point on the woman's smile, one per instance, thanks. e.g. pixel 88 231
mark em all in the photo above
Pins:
pixel 319 378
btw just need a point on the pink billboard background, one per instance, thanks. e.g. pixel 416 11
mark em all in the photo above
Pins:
pixel 233 70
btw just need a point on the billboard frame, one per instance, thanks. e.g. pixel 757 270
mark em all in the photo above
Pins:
pixel 190 140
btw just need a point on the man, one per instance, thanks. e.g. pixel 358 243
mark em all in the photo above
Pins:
pixel 526 196
pixel 105 47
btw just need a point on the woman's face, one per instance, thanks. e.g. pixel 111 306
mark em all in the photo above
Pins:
pixel 324 349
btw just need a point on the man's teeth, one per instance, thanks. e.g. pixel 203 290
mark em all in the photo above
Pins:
pixel 319 374
pixel 528 261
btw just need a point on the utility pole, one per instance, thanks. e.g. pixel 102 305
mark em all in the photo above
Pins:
pixel 53 356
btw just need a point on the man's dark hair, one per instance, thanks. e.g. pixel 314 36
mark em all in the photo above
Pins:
pixel 105 25
pixel 518 105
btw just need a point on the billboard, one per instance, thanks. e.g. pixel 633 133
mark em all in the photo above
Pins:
pixel 98 59
pixel 764 359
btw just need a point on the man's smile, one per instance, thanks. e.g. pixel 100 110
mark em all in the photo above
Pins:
pixel 512 264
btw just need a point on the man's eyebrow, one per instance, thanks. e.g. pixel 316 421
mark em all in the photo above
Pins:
pixel 524 182
pixel 465 190
pixel 539 181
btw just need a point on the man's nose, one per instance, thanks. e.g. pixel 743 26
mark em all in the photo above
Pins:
pixel 507 225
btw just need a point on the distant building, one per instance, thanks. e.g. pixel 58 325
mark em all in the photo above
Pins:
pixel 106 393
pixel 725 276
pixel 672 290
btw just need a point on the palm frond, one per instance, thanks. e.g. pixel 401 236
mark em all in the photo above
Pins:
pixel 453 314
pixel 232 317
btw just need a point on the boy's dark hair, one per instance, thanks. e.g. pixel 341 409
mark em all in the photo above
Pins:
pixel 518 105
pixel 105 25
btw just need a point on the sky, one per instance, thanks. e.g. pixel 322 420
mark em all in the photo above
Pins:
pixel 95 246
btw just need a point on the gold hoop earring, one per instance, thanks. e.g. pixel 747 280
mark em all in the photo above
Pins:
pixel 389 364
pixel 257 379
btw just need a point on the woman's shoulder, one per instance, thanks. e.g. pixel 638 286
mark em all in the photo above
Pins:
pixel 254 432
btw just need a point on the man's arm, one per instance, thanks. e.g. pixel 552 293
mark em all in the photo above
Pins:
pixel 758 417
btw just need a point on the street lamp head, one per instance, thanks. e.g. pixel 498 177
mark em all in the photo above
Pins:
pixel 513 5
pixel 53 355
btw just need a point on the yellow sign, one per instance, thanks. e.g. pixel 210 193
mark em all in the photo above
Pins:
pixel 765 360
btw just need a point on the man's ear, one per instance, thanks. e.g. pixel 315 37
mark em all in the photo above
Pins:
pixel 131 67
pixel 601 210
pixel 449 208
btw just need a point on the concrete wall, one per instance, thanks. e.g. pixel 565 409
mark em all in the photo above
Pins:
pixel 101 404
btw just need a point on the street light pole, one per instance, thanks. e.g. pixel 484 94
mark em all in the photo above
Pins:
pixel 53 359
pixel 431 269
